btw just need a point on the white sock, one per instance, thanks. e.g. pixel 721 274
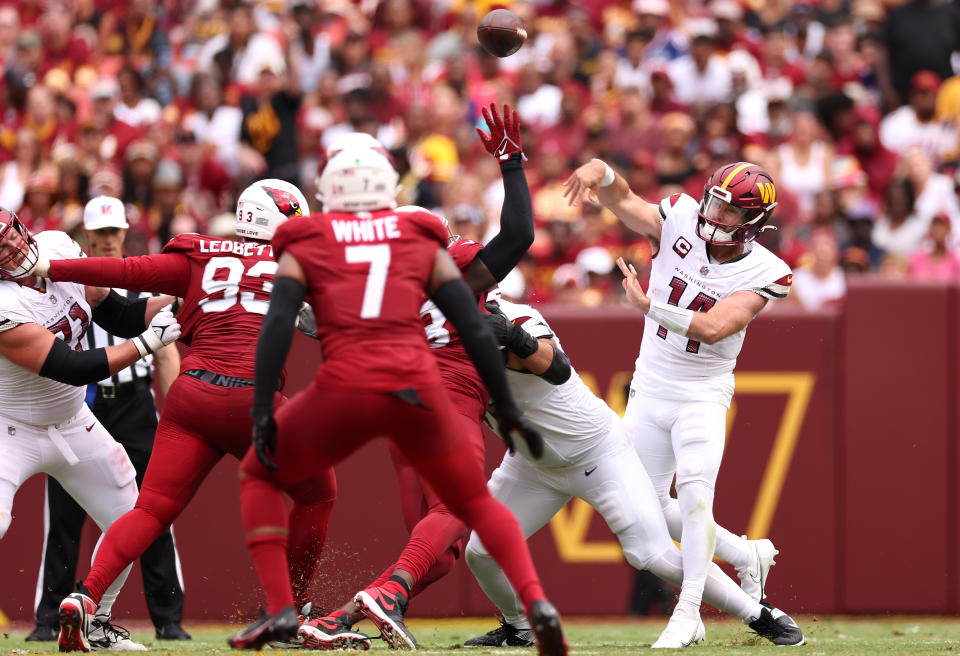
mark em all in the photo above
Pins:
pixel 719 590
pixel 495 585
pixel 732 548
pixel 698 539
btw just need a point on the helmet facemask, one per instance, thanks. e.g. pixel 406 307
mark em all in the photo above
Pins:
pixel 723 223
pixel 19 252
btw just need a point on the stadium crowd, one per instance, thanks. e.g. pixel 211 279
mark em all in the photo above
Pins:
pixel 176 106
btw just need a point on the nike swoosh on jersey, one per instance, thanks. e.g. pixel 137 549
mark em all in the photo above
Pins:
pixel 590 471
pixel 90 427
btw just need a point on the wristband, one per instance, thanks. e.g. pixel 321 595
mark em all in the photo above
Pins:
pixel 609 176
pixel 675 319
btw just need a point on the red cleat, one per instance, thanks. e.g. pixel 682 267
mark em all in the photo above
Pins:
pixel 545 621
pixel 77 611
pixel 335 631
pixel 386 609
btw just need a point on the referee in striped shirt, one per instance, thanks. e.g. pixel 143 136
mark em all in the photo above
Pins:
pixel 124 405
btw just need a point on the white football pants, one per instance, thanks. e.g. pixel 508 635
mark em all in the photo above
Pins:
pixel 83 457
pixel 616 485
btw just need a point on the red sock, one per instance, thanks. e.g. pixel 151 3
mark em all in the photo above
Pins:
pixel 309 517
pixel 265 515
pixel 125 541
pixel 440 569
pixel 429 542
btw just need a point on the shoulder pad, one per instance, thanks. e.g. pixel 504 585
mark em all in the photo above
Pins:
pixel 667 204
pixel 184 243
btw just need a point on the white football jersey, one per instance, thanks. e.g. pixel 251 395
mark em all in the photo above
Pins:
pixel 672 366
pixel 63 310
pixel 570 417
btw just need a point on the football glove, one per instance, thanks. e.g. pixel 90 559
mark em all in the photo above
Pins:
pixel 508 334
pixel 307 321
pixel 265 439
pixel 511 423
pixel 163 329
pixel 504 137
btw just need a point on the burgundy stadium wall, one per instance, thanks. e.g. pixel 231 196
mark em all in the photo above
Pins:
pixel 842 447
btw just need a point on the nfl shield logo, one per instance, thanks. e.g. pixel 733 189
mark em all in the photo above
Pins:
pixel 53 299
pixel 11 430
pixel 704 270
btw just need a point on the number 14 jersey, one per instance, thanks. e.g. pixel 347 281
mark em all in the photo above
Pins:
pixel 672 366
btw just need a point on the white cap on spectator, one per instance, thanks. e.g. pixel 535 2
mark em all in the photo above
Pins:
pixel 726 9
pixel 654 7
pixel 104 212
pixel 104 87
pixel 595 259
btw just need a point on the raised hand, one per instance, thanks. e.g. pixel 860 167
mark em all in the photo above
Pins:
pixel 583 183
pixel 631 285
pixel 504 137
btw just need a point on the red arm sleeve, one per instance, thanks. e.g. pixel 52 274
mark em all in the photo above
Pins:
pixel 166 273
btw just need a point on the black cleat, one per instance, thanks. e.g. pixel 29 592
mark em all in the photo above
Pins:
pixel 545 621
pixel 386 610
pixel 777 627
pixel 44 634
pixel 505 635
pixel 172 631
pixel 281 627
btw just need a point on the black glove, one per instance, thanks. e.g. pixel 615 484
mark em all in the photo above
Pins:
pixel 265 439
pixel 512 422
pixel 509 334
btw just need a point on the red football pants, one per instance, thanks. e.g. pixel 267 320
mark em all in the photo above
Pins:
pixel 321 426
pixel 200 422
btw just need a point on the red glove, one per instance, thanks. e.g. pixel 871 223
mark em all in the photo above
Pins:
pixel 504 137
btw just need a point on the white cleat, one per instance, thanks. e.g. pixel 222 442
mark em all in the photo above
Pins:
pixel 104 635
pixel 753 579
pixel 682 631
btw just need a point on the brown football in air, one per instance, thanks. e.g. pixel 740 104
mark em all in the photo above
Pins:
pixel 501 33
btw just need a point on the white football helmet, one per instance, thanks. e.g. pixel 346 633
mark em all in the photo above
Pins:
pixel 357 180
pixel 351 140
pixel 264 205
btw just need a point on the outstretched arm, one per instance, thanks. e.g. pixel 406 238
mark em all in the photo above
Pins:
pixel 504 251
pixel 166 273
pixel 597 183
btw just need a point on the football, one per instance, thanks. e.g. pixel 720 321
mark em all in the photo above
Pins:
pixel 501 33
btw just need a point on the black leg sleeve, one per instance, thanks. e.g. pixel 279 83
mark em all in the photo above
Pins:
pixel 504 251
pixel 61 553
pixel 459 305
pixel 275 338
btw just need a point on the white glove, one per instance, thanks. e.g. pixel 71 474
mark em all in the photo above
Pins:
pixel 163 329
pixel 307 321
pixel 41 269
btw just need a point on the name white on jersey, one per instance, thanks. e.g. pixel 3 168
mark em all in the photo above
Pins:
pixel 63 310
pixel 672 366
pixel 570 417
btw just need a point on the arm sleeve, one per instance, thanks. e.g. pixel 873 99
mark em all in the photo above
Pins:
pixel 276 335
pixel 166 273
pixel 504 251
pixel 459 305
pixel 65 365
pixel 119 316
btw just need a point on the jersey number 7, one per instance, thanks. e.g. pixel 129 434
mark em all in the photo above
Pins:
pixel 378 255
pixel 700 303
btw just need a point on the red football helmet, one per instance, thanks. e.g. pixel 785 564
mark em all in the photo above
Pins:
pixel 18 249
pixel 738 199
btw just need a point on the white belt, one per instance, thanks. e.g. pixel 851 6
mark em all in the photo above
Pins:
pixel 57 438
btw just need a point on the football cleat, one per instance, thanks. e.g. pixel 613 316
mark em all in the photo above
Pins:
pixel 777 627
pixel 681 631
pixel 753 579
pixel 547 628
pixel 386 610
pixel 43 634
pixel 105 635
pixel 76 616
pixel 281 627
pixel 172 631
pixel 335 631
pixel 505 635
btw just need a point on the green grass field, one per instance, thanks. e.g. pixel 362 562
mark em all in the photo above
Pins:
pixel 825 635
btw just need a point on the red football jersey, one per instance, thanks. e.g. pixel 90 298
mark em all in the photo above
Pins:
pixel 224 284
pixel 366 275
pixel 456 368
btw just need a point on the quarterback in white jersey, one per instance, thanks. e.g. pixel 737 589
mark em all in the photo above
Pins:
pixel 43 372
pixel 709 279
pixel 586 454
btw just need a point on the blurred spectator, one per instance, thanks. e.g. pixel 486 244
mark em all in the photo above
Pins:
pixel 269 123
pixel 241 53
pixel 875 159
pixel 40 210
pixel 112 134
pixel 802 162
pixel 899 230
pixel 933 192
pixel 702 76
pixel 820 283
pixel 937 260
pixel 214 122
pixel 915 125
pixel 14 174
pixel 918 35
pixel 132 107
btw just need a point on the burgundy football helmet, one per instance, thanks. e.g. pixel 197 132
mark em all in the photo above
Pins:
pixel 18 249
pixel 738 199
